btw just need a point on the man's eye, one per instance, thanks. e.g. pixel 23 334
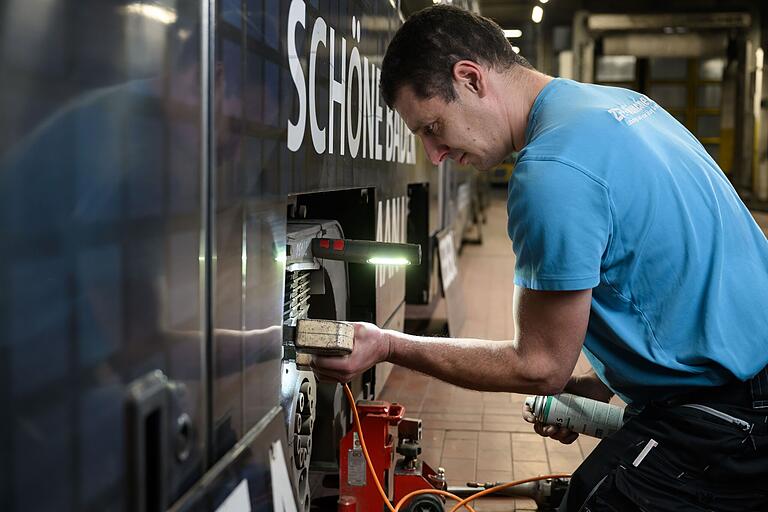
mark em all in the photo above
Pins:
pixel 430 129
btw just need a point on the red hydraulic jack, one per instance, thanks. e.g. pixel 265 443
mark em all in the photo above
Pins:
pixel 358 492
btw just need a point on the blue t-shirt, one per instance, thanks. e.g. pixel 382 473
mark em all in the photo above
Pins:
pixel 612 193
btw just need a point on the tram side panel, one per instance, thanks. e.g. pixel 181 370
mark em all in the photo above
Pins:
pixel 100 272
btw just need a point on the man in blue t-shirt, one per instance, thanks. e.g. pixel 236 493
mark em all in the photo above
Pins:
pixel 631 246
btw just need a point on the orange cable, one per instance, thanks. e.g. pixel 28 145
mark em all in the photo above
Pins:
pixel 461 502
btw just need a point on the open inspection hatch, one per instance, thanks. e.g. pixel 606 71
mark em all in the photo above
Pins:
pixel 317 286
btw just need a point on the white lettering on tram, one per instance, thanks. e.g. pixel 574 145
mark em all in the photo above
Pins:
pixel 367 128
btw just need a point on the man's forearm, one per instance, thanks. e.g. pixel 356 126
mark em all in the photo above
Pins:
pixel 550 330
pixel 479 364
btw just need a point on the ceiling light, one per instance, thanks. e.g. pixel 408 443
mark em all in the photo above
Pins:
pixel 516 49
pixel 510 33
pixel 543 1
pixel 537 14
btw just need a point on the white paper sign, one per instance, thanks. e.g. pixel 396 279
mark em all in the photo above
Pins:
pixel 282 490
pixel 452 289
pixel 447 260
pixel 238 501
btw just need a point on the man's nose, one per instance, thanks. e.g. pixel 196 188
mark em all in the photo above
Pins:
pixel 435 151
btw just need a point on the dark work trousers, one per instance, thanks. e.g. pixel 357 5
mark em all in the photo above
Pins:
pixel 701 451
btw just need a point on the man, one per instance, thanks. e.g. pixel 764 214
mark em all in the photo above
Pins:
pixel 631 245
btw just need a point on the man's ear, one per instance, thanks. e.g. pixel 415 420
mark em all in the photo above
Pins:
pixel 470 75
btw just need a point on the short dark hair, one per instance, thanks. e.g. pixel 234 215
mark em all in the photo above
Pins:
pixel 431 41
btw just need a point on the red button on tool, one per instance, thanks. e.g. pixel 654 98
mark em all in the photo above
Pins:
pixel 338 245
pixel 325 243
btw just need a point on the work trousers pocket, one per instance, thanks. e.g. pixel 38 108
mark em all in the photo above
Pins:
pixel 676 459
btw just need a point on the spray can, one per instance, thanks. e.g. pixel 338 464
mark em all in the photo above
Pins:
pixel 577 413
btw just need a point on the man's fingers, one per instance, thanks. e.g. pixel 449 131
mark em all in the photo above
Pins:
pixel 329 377
pixel 321 373
pixel 325 374
pixel 551 430
pixel 562 434
pixel 324 378
pixel 326 363
pixel 528 414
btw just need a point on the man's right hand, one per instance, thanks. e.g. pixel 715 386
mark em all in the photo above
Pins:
pixel 587 385
pixel 372 346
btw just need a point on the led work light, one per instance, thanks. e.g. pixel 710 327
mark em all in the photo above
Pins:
pixel 366 251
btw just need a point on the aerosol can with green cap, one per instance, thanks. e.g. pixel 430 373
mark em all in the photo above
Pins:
pixel 577 413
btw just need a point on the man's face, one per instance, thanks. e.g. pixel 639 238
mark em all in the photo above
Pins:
pixel 468 130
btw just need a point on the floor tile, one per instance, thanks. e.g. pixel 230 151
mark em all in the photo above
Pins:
pixel 432 456
pixel 495 441
pixel 461 434
pixel 496 460
pixel 528 447
pixel 564 463
pixel 458 471
pixel 460 448
pixel 432 438
pixel 527 469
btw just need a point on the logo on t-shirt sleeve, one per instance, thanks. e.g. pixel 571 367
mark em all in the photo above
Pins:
pixel 631 113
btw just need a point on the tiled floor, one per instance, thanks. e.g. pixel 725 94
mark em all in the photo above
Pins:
pixel 481 436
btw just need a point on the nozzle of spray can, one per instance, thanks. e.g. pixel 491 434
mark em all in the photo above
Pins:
pixel 577 413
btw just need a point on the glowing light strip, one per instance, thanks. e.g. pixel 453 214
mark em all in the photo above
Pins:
pixel 388 261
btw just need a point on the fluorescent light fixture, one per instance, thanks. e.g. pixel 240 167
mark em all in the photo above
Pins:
pixel 537 14
pixel 388 261
pixel 159 13
pixel 513 33
pixel 516 49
